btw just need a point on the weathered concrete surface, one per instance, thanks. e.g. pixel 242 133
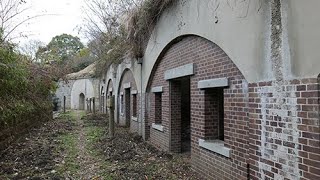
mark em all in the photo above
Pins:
pixel 64 89
pixel 84 86
pixel 212 83
pixel 238 28
pixel 185 70
pixel 304 38
pixel 157 89
pixel 242 30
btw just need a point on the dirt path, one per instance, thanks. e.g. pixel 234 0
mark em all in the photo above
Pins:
pixel 75 146
pixel 89 165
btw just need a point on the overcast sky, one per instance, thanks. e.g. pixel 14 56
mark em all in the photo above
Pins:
pixel 65 17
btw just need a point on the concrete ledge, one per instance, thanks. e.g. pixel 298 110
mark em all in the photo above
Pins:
pixel 216 146
pixel 134 119
pixel 134 92
pixel 181 71
pixel 213 83
pixel 158 127
pixel 127 85
pixel 157 89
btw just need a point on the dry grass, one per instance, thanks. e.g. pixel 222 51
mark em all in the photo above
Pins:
pixel 142 21
pixel 129 41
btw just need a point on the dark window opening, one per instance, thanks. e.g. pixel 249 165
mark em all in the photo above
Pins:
pixel 134 105
pixel 214 114
pixel 127 107
pixel 158 107
pixel 121 104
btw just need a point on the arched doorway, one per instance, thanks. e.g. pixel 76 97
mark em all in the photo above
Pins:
pixel 81 101
pixel 127 94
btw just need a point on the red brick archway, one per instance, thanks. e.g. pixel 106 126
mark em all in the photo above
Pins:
pixel 197 59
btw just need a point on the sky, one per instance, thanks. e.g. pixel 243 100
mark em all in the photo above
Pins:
pixel 62 16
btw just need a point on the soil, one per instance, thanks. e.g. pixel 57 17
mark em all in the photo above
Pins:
pixel 43 154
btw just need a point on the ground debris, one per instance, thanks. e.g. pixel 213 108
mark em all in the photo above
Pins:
pixel 45 153
pixel 32 156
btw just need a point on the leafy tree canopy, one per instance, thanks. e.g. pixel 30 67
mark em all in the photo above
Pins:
pixel 60 49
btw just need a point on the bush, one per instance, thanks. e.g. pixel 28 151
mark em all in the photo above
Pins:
pixel 24 93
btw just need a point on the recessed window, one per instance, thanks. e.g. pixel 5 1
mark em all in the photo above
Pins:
pixel 158 107
pixel 134 105
pixel 214 114
pixel 121 104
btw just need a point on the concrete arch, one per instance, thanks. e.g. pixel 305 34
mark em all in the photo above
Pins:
pixel 209 61
pixel 243 31
pixel 126 87
pixel 167 47
pixel 84 86
pixel 126 70
pixel 240 38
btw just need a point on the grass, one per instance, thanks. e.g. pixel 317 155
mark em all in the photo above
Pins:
pixel 71 153
pixel 93 135
pixel 71 115
pixel 68 146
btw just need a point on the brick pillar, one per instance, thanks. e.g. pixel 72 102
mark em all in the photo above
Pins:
pixel 175 116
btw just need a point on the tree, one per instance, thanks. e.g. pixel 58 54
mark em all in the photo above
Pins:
pixel 60 49
pixel 105 29
pixel 30 49
pixel 12 16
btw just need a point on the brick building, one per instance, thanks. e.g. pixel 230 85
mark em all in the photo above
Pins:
pixel 235 84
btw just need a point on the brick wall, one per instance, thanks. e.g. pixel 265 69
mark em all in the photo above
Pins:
pixel 210 62
pixel 272 128
pixel 128 77
pixel 284 130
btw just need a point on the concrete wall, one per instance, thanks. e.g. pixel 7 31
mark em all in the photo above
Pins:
pixel 242 30
pixel 135 68
pixel 84 86
pixel 303 34
pixel 64 89
pixel 274 45
pixel 72 89
pixel 238 28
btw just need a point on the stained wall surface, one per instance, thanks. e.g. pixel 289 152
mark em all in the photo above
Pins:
pixel 268 50
pixel 84 86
